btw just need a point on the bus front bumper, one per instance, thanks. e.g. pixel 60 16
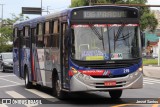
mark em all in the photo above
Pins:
pixel 81 82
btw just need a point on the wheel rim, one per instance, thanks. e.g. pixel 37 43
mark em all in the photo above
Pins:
pixel 58 88
pixel 26 78
pixel 2 67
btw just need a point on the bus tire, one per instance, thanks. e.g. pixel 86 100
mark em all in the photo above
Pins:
pixel 2 67
pixel 57 91
pixel 116 94
pixel 28 84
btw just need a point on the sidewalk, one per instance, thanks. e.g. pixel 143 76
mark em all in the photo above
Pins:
pixel 151 71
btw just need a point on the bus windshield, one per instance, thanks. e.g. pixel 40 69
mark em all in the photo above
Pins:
pixel 106 42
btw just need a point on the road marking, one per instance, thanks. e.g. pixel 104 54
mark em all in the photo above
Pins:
pixel 9 86
pixel 147 82
pixel 152 79
pixel 3 105
pixel 39 93
pixel 121 105
pixel 7 76
pixel 10 81
pixel 17 95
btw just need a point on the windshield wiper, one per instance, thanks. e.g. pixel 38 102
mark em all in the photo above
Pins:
pixel 98 34
pixel 117 35
pixel 124 37
pixel 120 29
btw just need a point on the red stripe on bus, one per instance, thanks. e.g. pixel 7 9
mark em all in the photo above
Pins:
pixel 33 71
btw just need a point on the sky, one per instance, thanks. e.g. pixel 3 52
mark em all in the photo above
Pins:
pixel 14 6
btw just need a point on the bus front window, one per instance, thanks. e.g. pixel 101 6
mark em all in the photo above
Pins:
pixel 106 42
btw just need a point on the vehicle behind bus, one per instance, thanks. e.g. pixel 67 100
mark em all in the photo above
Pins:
pixel 96 48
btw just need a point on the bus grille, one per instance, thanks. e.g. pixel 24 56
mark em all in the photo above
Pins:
pixel 107 64
pixel 113 76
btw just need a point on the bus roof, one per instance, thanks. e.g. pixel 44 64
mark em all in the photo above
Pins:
pixel 67 12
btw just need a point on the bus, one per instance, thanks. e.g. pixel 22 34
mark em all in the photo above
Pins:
pixel 90 48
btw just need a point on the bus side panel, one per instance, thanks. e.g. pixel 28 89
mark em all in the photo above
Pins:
pixel 39 65
pixel 52 61
pixel 48 67
pixel 18 67
pixel 16 70
pixel 22 62
pixel 26 61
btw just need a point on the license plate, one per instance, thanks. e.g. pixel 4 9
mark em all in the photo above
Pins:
pixel 110 83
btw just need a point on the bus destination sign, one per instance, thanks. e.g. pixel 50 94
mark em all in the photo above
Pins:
pixel 104 14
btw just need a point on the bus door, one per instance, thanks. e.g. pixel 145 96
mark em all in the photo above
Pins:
pixel 33 53
pixel 64 57
pixel 16 52
pixel 20 36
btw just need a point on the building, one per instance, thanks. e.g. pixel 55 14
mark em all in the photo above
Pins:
pixel 151 39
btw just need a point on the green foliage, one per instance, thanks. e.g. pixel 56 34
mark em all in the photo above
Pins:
pixel 77 3
pixel 6 31
pixel 6 48
pixel 147 19
pixel 150 61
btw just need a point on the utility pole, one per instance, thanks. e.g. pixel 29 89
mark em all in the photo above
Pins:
pixel 2 15
pixel 41 7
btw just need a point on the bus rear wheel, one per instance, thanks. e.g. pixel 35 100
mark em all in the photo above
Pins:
pixel 115 94
pixel 28 84
pixel 57 91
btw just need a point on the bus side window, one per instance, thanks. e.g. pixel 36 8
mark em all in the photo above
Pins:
pixel 15 38
pixel 21 37
pixel 55 34
pixel 47 34
pixel 26 36
pixel 39 37
pixel 33 35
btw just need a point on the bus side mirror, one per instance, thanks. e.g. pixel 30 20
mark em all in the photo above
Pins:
pixel 142 39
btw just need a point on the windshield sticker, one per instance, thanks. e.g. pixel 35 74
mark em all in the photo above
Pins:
pixel 103 25
pixel 76 26
pixel 95 25
pixel 106 56
pixel 94 58
pixel 92 53
pixel 100 25
pixel 116 56
pixel 117 25
pixel 131 25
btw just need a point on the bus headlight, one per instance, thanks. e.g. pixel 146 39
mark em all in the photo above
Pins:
pixel 140 69
pixel 74 71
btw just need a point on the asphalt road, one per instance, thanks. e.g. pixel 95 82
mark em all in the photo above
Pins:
pixel 13 87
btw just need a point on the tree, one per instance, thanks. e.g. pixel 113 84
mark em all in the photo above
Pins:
pixel 147 19
pixel 6 31
pixel 77 3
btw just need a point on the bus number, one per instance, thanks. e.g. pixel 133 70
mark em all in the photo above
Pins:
pixel 126 71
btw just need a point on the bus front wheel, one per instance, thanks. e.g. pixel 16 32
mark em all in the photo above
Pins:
pixel 115 93
pixel 28 84
pixel 57 91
